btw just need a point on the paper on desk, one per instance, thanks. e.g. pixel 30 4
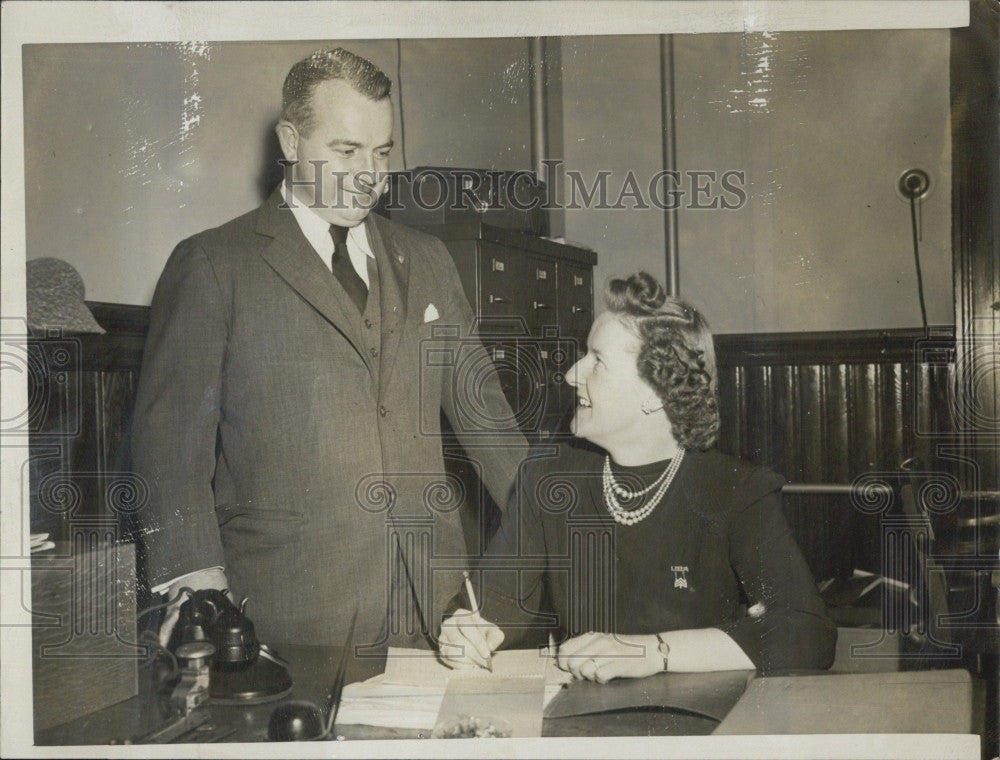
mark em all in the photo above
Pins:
pixel 421 667
pixel 409 694
pixel 376 703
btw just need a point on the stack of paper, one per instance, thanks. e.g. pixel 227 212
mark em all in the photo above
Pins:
pixel 376 703
pixel 410 692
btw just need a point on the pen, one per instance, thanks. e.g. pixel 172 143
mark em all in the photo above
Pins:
pixel 475 611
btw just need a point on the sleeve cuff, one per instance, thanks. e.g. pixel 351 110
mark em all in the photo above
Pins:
pixel 161 588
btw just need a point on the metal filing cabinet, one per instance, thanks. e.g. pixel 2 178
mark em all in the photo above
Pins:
pixel 534 301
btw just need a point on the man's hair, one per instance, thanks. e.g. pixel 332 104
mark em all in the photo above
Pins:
pixel 322 66
pixel 676 355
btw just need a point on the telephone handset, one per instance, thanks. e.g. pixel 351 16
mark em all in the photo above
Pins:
pixel 221 655
pixel 210 616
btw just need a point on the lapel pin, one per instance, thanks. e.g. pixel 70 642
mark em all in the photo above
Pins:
pixel 680 575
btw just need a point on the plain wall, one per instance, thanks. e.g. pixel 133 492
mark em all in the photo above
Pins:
pixel 612 124
pixel 130 148
pixel 822 124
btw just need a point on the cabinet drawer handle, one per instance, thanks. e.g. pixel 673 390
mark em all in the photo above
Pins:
pixel 581 310
pixel 498 299
pixel 577 280
pixel 498 266
pixel 540 305
pixel 541 274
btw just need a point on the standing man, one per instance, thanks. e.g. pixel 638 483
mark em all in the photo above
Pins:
pixel 286 422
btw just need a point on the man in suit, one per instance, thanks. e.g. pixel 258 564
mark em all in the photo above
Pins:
pixel 287 423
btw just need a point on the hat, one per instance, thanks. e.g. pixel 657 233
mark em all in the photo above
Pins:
pixel 55 298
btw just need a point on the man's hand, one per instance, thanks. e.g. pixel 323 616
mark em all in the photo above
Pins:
pixel 467 640
pixel 210 578
pixel 602 656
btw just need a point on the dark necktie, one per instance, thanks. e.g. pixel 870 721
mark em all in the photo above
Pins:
pixel 344 270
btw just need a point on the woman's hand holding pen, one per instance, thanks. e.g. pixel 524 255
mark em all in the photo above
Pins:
pixel 467 640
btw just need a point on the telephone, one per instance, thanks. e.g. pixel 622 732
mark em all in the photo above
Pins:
pixel 220 657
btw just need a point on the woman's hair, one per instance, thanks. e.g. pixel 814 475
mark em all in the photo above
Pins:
pixel 676 356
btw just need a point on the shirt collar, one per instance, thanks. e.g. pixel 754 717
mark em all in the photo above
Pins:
pixel 317 230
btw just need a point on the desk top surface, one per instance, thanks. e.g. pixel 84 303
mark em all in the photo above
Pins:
pixel 769 706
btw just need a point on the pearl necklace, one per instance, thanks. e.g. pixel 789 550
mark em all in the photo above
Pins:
pixel 612 490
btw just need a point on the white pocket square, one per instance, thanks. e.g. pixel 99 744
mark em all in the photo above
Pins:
pixel 431 313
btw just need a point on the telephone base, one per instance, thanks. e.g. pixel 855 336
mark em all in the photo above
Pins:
pixel 264 681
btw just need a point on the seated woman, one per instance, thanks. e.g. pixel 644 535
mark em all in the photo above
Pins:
pixel 652 552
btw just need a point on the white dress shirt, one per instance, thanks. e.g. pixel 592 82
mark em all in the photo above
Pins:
pixel 317 232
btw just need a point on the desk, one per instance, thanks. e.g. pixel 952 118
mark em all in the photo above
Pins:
pixel 313 669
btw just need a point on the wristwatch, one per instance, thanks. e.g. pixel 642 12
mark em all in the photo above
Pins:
pixel 664 648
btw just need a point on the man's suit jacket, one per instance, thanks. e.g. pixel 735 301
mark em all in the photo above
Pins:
pixel 295 442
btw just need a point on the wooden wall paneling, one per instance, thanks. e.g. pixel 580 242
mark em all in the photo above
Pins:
pixel 836 510
pixel 118 395
pixel 53 391
pixel 98 440
pixel 782 406
pixel 810 441
pixel 817 525
pixel 889 432
pixel 933 416
pixel 741 445
pixel 836 435
pixel 865 452
pixel 758 418
pixel 886 438
pixel 64 493
pixel 85 451
pixel 741 418
pixel 729 409
pixel 825 409
pixel 862 418
pixel 759 421
pixel 910 378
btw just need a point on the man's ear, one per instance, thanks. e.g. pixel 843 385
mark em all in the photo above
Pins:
pixel 288 138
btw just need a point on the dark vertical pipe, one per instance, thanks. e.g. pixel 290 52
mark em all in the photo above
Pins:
pixel 667 112
pixel 539 141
